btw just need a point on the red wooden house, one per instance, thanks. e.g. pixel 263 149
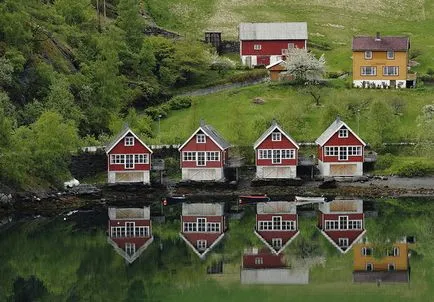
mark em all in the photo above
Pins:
pixel 204 155
pixel 130 231
pixel 340 151
pixel 276 224
pixel 202 226
pixel 128 159
pixel 255 258
pixel 276 154
pixel 266 43
pixel 342 222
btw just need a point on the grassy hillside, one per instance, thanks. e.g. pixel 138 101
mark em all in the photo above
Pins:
pixel 331 23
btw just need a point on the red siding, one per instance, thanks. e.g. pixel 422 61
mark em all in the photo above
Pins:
pixel 283 144
pixel 209 237
pixel 260 217
pixel 263 60
pixel 268 47
pixel 139 242
pixel 138 222
pixel 120 148
pixel 351 140
pixel 351 216
pixel 284 235
pixel 320 155
pixel 268 261
pixel 208 146
pixel 350 234
pixel 208 218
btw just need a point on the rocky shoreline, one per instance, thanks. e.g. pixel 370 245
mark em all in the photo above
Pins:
pixel 89 196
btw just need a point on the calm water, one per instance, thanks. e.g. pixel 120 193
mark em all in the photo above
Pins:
pixel 68 258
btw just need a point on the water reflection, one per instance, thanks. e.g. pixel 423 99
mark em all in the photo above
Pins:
pixel 130 231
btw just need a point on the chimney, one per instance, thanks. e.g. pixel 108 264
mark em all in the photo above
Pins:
pixel 377 37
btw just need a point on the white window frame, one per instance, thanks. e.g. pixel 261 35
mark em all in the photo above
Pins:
pixel 259 260
pixel 343 133
pixel 364 69
pixel 368 55
pixel 201 158
pixel 390 54
pixel 130 229
pixel 354 150
pixel 200 138
pixel 213 156
pixel 188 156
pixel 343 153
pixel 343 242
pixel 130 248
pixel 190 227
pixel 371 265
pixel 129 162
pixel 129 141
pixel 141 158
pixel 276 243
pixel 391 267
pixel 201 245
pixel 331 151
pixel 213 227
pixel 387 69
pixel 288 225
pixel 201 224
pixel 288 154
pixel 367 251
pixel 257 46
pixel 276 136
pixel 265 153
pixel 141 231
pixel 277 156
pixel 343 222
pixel 291 45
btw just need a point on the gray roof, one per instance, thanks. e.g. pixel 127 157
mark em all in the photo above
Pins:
pixel 203 209
pixel 273 126
pixel 209 131
pixel 332 129
pixel 110 145
pixel 276 207
pixel 129 213
pixel 273 31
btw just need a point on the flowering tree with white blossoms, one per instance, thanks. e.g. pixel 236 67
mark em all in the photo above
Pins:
pixel 303 65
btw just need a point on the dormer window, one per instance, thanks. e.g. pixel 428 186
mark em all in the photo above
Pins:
pixel 200 139
pixel 390 55
pixel 129 141
pixel 368 54
pixel 343 133
pixel 257 47
pixel 276 136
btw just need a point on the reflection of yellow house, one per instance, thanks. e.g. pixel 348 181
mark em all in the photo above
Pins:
pixel 392 267
pixel 380 62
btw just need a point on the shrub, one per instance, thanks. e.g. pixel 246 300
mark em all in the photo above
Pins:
pixel 417 167
pixel 384 161
pixel 161 111
pixel 180 102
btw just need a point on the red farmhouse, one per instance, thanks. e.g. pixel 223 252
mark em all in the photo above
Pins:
pixel 276 154
pixel 340 151
pixel 254 258
pixel 202 226
pixel 276 224
pixel 204 155
pixel 129 159
pixel 267 43
pixel 130 231
pixel 342 222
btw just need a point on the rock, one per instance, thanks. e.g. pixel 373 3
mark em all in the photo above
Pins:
pixel 258 101
pixel 5 198
pixel 328 183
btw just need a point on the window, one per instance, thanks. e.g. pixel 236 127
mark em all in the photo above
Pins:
pixel 368 70
pixel 264 154
pixel 189 227
pixel 343 242
pixel 201 245
pixel 129 161
pixel 188 156
pixel 354 224
pixel 343 222
pixel 259 260
pixel 141 158
pixel 343 154
pixel 288 225
pixel 355 151
pixel 288 154
pixel 331 151
pixel 390 70
pixel 129 141
pixel 276 136
pixel 368 55
pixel 369 267
pixel 343 133
pixel 213 227
pixel 332 225
pixel 393 252
pixel 117 159
pixel 257 47
pixel 391 267
pixel 118 232
pixel 130 229
pixel 201 159
pixel 142 231
pixel 276 157
pixel 130 248
pixel 276 243
pixel 200 138
pixel 366 251
pixel 201 224
pixel 212 156
pixel 277 222
pixel 291 45
pixel 390 55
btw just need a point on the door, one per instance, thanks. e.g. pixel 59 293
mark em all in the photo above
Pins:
pixel 200 161
pixel 277 159
pixel 343 170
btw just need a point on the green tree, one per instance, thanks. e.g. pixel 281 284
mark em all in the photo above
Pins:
pixel 303 65
pixel 131 23
pixel 380 123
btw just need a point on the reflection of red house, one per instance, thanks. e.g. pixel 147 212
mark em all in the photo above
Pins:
pixel 266 43
pixel 276 224
pixel 276 154
pixel 130 231
pixel 204 155
pixel 340 151
pixel 342 222
pixel 202 226
pixel 129 159
pixel 258 259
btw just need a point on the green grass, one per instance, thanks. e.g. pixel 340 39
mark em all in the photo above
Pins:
pixel 331 21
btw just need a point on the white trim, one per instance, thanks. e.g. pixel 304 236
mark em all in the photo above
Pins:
pixel 130 259
pixel 274 64
pixel 129 141
pixel 333 133
pixel 202 255
pixel 257 143
pixel 202 136
pixel 126 132
pixel 194 133
pixel 276 136
pixel 271 247
pixel 337 246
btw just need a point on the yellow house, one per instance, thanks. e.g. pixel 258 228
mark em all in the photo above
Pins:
pixel 381 62
pixel 392 267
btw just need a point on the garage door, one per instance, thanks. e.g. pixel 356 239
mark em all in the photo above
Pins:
pixel 277 172
pixel 129 177
pixel 202 174
pixel 343 170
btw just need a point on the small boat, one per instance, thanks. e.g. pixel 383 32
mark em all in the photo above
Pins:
pixel 253 199
pixel 171 200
